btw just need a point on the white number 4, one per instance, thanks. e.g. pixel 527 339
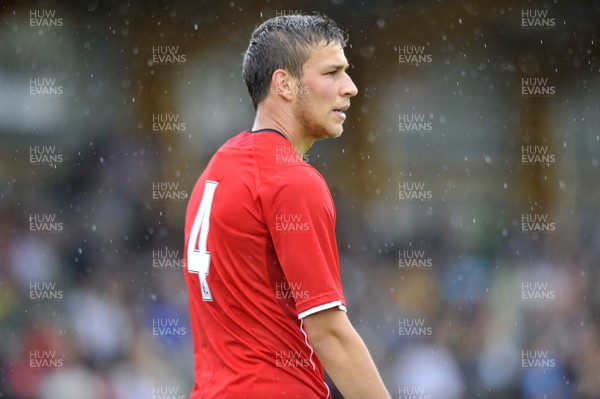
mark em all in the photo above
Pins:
pixel 198 258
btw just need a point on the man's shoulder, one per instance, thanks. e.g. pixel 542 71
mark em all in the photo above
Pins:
pixel 295 181
pixel 267 144
pixel 242 139
pixel 276 161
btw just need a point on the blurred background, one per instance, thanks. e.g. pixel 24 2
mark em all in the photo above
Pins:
pixel 466 184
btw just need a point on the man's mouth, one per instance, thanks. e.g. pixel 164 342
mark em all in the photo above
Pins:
pixel 341 112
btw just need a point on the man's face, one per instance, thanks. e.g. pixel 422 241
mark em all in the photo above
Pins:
pixel 324 92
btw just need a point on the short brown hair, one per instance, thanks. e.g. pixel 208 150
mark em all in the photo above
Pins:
pixel 284 42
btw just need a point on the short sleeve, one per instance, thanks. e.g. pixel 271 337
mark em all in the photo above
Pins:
pixel 300 215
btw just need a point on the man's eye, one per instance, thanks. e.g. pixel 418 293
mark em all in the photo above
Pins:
pixel 332 72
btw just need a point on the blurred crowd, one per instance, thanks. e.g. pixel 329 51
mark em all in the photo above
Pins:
pixel 82 305
pixel 85 309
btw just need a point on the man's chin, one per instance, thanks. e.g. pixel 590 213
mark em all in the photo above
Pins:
pixel 338 132
pixel 329 135
pixel 333 132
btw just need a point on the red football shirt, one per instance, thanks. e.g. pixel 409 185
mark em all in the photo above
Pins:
pixel 261 254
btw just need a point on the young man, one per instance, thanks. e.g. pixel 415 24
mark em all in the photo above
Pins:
pixel 266 302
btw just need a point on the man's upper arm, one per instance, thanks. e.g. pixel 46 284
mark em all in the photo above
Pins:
pixel 325 324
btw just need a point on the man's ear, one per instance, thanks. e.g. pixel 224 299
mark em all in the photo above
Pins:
pixel 283 84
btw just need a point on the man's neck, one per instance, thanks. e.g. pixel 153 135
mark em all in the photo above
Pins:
pixel 299 141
